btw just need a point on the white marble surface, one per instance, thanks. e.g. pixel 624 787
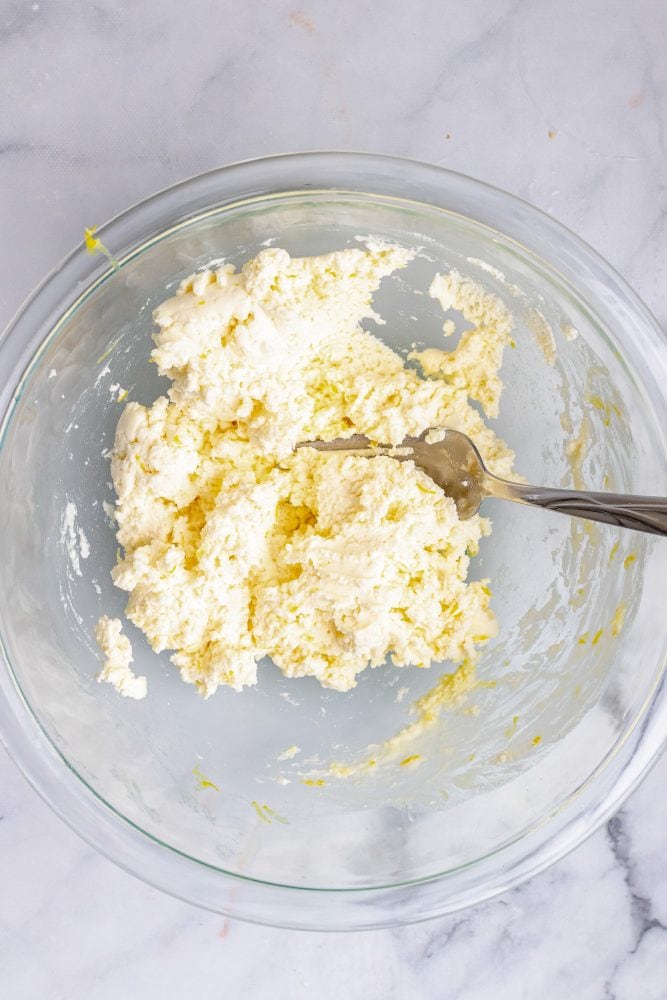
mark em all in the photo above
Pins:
pixel 562 103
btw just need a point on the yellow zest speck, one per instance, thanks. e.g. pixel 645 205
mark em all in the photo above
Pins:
pixel 596 638
pixel 203 782
pixel 511 729
pixel 93 245
pixel 92 242
pixel 108 351
pixel 122 395
pixel 583 639
pixel 260 811
pixel 268 814
pixel 628 561
pixel 618 620
pixel 414 758
pixel 606 408
pixel 537 740
pixel 614 550
pixel 313 782
pixel 576 450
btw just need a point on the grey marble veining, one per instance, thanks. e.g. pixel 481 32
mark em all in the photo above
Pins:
pixel 564 104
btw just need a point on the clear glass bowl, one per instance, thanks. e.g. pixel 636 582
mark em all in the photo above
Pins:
pixel 571 716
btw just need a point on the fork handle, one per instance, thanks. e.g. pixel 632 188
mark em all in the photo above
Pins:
pixel 640 513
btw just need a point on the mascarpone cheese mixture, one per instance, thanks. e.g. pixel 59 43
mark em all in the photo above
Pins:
pixel 237 547
pixel 117 659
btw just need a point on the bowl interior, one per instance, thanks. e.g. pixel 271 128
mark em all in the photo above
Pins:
pixel 564 683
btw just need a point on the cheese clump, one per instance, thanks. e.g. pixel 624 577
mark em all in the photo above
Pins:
pixel 117 652
pixel 236 546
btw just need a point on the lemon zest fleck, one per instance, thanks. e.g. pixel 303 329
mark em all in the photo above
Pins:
pixel 94 244
pixel 260 811
pixel 268 811
pixel 618 620
pixel 202 781
pixel 108 351
pixel 510 731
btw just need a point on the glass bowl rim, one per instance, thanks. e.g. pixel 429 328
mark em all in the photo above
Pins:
pixel 81 807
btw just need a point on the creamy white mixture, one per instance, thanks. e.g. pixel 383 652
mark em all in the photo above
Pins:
pixel 74 539
pixel 117 652
pixel 237 547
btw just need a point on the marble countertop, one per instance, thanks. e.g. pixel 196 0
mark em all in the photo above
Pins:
pixel 564 104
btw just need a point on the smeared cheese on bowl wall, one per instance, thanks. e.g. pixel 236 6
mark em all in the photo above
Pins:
pixel 237 547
